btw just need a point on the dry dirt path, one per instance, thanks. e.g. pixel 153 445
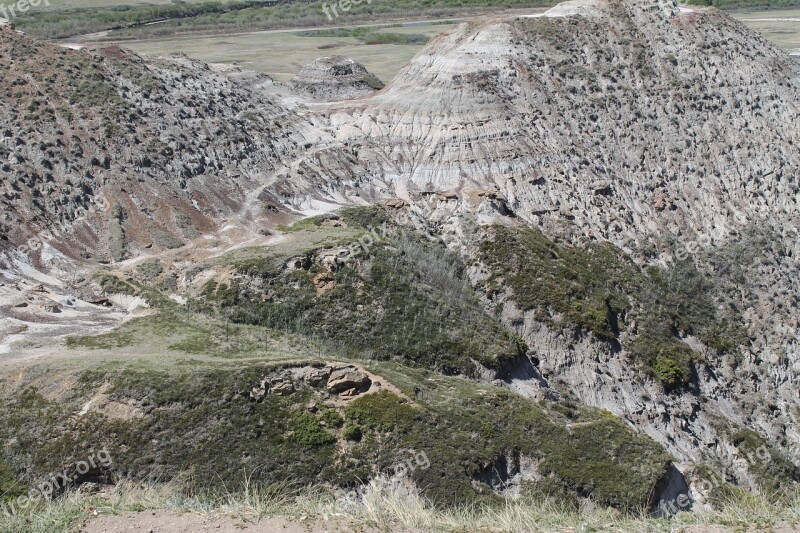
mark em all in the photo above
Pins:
pixel 175 522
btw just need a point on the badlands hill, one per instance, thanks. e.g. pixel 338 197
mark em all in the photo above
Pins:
pixel 165 149
pixel 335 78
pixel 575 238
pixel 640 124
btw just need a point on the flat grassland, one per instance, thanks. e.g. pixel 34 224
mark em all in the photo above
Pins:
pixel 782 27
pixel 72 4
pixel 282 54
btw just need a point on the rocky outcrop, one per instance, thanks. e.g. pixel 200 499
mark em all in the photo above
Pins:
pixel 348 381
pixel 275 385
pixel 344 380
pixel 335 78
pixel 317 376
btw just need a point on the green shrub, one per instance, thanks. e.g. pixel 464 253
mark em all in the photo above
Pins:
pixel 381 412
pixel 670 372
pixel 670 359
pixel 307 431
pixel 352 433
pixel 331 418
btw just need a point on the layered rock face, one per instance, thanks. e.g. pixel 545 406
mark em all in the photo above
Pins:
pixel 335 78
pixel 650 110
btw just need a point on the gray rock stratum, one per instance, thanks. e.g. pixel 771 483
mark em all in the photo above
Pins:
pixel 636 122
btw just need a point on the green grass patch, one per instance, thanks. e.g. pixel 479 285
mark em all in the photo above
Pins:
pixel 305 224
pixel 106 341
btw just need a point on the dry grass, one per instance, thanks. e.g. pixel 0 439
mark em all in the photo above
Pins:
pixel 393 505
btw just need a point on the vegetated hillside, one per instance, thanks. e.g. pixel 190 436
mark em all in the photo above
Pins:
pixel 401 299
pixel 205 422
pixel 405 317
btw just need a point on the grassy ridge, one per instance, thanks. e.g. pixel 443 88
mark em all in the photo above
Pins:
pixel 193 419
pixel 402 299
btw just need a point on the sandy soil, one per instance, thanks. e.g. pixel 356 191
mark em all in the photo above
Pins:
pixel 174 522
pixel 39 308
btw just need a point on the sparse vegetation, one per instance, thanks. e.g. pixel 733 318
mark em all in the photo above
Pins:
pixel 162 238
pixel 598 289
pixel 186 226
pixel 150 269
pixel 775 471
pixel 116 234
